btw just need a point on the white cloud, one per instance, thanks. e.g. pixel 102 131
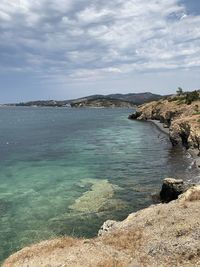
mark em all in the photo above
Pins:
pixel 86 38
pixel 93 15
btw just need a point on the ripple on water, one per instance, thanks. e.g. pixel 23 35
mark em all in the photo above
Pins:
pixel 5 205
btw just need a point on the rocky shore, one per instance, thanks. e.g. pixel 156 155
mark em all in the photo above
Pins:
pixel 165 235
pixel 160 235
pixel 180 120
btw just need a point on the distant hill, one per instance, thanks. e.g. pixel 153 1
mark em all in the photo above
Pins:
pixel 102 102
pixel 137 98
pixel 133 98
pixel 112 100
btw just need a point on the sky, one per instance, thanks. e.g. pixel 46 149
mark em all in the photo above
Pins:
pixel 72 48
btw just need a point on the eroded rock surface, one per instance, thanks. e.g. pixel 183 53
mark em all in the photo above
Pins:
pixel 172 188
pixel 182 120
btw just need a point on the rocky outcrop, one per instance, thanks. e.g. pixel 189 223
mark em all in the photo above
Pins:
pixel 164 235
pixel 186 131
pixel 182 120
pixel 134 115
pixel 106 227
pixel 172 188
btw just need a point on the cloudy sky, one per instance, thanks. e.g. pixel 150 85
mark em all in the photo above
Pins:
pixel 69 48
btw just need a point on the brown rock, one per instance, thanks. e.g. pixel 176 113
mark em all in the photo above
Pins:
pixel 183 120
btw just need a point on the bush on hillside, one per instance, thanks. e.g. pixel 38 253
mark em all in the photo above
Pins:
pixel 191 96
pixel 179 91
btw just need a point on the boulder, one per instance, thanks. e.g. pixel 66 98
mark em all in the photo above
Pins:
pixel 172 188
pixel 135 115
pixel 106 227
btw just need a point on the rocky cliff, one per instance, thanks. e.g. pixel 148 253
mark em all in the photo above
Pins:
pixel 161 235
pixel 183 120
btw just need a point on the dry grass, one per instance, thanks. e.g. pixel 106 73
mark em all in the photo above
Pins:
pixel 111 263
pixel 125 240
pixel 194 196
pixel 182 230
pixel 185 205
pixel 41 249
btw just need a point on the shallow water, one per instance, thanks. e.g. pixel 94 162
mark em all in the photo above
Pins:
pixel 65 171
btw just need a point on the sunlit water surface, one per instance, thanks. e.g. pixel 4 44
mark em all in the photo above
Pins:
pixel 65 171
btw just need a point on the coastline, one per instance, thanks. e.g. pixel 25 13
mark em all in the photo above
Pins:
pixel 153 250
pixel 160 126
pixel 176 118
pixel 161 235
pixel 112 138
pixel 193 153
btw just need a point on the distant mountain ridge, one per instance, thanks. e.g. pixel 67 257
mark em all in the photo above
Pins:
pixel 97 101
pixel 135 98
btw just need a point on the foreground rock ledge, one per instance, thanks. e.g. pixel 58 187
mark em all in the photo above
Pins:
pixel 161 235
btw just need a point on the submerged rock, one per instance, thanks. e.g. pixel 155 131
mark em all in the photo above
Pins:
pixel 98 199
pixel 172 188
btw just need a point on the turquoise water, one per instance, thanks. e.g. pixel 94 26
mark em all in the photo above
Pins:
pixel 65 171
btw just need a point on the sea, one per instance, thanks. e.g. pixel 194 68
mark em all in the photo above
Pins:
pixel 65 171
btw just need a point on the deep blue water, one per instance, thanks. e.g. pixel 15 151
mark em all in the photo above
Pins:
pixel 65 171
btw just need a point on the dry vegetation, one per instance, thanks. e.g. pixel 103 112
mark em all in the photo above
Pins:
pixel 124 239
pixel 45 247
pixel 110 263
pixel 191 195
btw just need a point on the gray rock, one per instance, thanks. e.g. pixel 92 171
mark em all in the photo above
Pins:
pixel 197 162
pixel 135 115
pixel 172 188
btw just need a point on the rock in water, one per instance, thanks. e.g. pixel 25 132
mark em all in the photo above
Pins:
pixel 171 189
pixel 135 115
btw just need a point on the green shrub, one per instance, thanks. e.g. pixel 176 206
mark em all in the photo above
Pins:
pixel 191 96
pixel 179 91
